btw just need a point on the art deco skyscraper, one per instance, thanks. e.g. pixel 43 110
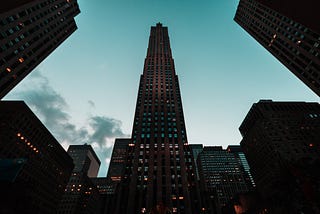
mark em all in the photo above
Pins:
pixel 290 31
pixel 159 173
pixel 29 31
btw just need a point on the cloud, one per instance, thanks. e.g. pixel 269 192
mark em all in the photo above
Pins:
pixel 51 108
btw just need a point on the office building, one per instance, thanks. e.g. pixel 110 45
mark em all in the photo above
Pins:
pixel 159 176
pixel 289 30
pixel 29 31
pixel 35 169
pixel 118 158
pixel 85 159
pixel 196 149
pixel 236 150
pixel 81 193
pixel 221 178
pixel 281 144
pixel 104 186
pixel 107 186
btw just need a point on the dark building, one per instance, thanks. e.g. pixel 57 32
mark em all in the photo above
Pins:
pixel 107 186
pixel 281 144
pixel 104 186
pixel 34 168
pixel 289 30
pixel 236 150
pixel 159 173
pixel 221 177
pixel 29 31
pixel 196 149
pixel 81 194
pixel 84 159
pixel 118 158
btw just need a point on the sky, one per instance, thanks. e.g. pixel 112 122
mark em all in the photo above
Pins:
pixel 86 90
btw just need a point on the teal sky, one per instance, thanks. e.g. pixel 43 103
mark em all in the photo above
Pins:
pixel 222 71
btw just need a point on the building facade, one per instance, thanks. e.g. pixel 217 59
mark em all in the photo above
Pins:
pixel 108 186
pixel 81 194
pixel 236 150
pixel 289 30
pixel 29 31
pixel 281 144
pixel 159 175
pixel 221 178
pixel 35 169
pixel 106 194
pixel 85 159
pixel 118 159
pixel 196 149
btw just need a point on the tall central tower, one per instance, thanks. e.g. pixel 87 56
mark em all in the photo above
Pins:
pixel 159 173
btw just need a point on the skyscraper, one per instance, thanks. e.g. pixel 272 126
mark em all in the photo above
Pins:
pixel 196 149
pixel 81 194
pixel 236 150
pixel 118 159
pixel 29 31
pixel 281 144
pixel 221 177
pixel 115 173
pixel 159 173
pixel 34 167
pixel 84 159
pixel 289 30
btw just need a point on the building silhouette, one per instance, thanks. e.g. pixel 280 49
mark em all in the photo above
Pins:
pixel 29 31
pixel 221 177
pixel 289 30
pixel 159 176
pixel 81 193
pixel 281 144
pixel 34 168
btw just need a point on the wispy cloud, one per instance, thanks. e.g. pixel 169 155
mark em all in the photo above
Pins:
pixel 52 109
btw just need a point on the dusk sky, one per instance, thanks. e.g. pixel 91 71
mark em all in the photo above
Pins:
pixel 86 90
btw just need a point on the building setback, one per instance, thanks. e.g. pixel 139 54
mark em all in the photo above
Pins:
pixel 34 167
pixel 159 173
pixel 29 31
pixel 221 177
pixel 281 143
pixel 81 194
pixel 289 30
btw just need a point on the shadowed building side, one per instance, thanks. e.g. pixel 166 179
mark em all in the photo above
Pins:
pixel 29 31
pixel 34 168
pixel 281 144
pixel 290 31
